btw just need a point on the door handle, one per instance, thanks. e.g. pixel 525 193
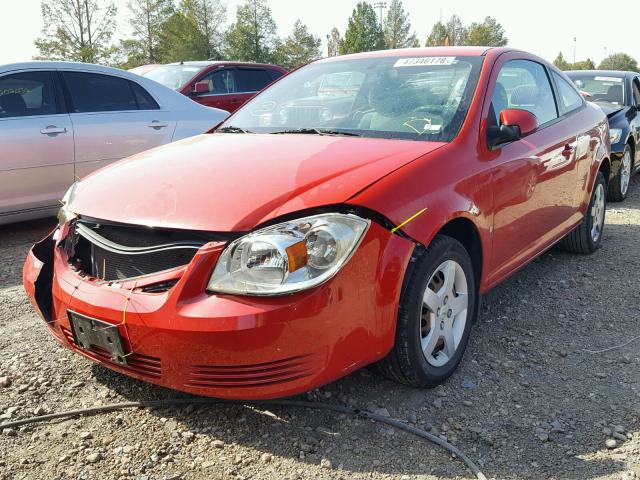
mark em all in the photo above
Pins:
pixel 157 124
pixel 52 130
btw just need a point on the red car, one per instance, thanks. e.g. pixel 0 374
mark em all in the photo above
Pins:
pixel 224 85
pixel 321 230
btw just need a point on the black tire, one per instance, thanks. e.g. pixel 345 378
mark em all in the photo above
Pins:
pixel 617 192
pixel 581 240
pixel 406 362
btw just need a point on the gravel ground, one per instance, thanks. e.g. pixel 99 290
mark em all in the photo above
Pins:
pixel 529 401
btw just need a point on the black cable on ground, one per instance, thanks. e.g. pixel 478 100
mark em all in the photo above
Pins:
pixel 279 403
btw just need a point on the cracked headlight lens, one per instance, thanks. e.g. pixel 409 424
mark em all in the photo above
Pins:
pixel 288 257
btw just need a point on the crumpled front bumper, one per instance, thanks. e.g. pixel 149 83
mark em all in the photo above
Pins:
pixel 227 346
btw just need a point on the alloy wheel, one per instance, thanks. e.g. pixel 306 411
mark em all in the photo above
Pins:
pixel 625 172
pixel 597 212
pixel 444 313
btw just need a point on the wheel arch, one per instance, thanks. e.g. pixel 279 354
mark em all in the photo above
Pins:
pixel 605 168
pixel 465 231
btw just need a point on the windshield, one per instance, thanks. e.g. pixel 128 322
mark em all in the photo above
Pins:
pixel 603 89
pixel 423 98
pixel 173 76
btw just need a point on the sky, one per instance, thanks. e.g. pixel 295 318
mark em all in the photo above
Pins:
pixel 543 27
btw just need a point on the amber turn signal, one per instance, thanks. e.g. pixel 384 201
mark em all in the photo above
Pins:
pixel 297 255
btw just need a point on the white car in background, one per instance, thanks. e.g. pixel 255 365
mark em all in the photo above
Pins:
pixel 61 120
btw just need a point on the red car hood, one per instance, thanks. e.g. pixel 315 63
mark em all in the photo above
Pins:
pixel 227 182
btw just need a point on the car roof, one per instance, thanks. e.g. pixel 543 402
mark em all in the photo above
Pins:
pixel 50 64
pixel 419 52
pixel 610 73
pixel 208 63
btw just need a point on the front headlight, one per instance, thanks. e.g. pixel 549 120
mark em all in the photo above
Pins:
pixel 65 214
pixel 288 257
pixel 614 135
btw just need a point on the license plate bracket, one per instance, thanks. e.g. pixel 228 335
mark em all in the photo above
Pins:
pixel 88 332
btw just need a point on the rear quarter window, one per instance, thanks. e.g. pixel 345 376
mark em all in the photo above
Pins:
pixel 252 79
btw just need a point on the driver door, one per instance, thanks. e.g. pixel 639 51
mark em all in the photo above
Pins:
pixel 535 177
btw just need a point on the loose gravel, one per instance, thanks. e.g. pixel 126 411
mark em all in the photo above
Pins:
pixel 531 399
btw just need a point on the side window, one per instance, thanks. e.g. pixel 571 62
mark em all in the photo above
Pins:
pixel 636 91
pixel 275 74
pixel 252 79
pixel 94 92
pixel 570 99
pixel 523 84
pixel 220 81
pixel 28 93
pixel 143 99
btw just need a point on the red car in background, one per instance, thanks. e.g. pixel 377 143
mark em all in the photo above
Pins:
pixel 352 213
pixel 224 85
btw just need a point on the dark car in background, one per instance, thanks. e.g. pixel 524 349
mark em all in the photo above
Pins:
pixel 618 94
pixel 225 85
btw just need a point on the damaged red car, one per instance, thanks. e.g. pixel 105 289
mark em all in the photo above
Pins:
pixel 352 213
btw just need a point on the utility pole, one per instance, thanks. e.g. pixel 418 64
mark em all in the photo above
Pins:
pixel 328 45
pixel 381 6
pixel 575 41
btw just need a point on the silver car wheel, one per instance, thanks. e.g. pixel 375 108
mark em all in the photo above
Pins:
pixel 444 313
pixel 625 172
pixel 597 213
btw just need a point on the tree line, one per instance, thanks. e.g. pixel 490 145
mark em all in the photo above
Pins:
pixel 615 61
pixel 163 31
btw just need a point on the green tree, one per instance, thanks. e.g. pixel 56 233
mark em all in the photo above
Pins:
pixel 78 30
pixel 456 31
pixel 130 53
pixel 333 43
pixel 253 35
pixel 438 35
pixel 487 33
pixel 363 32
pixel 619 61
pixel 397 26
pixel 181 40
pixel 587 64
pixel 451 33
pixel 147 18
pixel 561 63
pixel 299 48
pixel 209 16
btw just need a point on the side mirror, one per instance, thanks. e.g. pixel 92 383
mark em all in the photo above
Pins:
pixel 524 119
pixel 200 87
pixel 514 124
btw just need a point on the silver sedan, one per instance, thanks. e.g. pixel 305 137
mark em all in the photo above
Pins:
pixel 63 120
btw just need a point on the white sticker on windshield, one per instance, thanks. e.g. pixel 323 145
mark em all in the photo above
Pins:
pixel 420 61
pixel 608 79
pixel 190 69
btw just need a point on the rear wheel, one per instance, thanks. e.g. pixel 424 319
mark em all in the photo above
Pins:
pixel 435 316
pixel 620 183
pixel 587 237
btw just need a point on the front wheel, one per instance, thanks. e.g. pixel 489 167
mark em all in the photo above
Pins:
pixel 620 183
pixel 437 309
pixel 587 236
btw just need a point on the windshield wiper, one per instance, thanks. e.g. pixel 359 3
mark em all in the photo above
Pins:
pixel 317 131
pixel 232 129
